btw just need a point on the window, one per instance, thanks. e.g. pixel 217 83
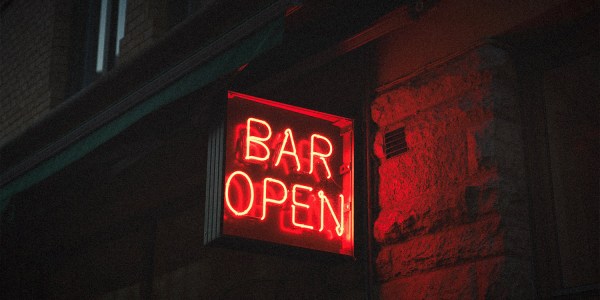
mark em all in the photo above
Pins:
pixel 105 35
pixel 97 33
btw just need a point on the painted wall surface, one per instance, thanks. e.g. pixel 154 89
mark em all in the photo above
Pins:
pixel 452 219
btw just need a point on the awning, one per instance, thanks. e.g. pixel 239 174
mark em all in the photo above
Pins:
pixel 233 49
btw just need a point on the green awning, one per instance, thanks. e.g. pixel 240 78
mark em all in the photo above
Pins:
pixel 240 53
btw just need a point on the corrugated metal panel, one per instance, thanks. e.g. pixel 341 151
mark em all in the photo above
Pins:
pixel 214 184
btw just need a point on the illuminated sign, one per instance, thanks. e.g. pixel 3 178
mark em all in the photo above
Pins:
pixel 286 177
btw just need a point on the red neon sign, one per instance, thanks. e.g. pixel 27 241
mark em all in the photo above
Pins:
pixel 288 175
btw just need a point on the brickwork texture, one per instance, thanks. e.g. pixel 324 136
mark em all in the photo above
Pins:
pixel 140 29
pixel 26 36
pixel 35 56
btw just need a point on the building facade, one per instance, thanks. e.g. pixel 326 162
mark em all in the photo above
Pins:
pixel 475 157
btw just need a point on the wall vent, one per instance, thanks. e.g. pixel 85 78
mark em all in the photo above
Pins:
pixel 395 142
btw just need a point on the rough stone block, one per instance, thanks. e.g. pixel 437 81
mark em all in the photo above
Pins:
pixel 458 195
pixel 428 90
pixel 484 238
pixel 428 213
pixel 427 166
pixel 450 283
pixel 492 278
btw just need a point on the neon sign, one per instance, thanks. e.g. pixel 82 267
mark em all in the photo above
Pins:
pixel 287 176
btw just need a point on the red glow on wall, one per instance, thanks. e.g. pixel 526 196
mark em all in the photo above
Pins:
pixel 288 175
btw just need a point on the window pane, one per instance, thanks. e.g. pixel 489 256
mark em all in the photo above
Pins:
pixel 102 36
pixel 120 24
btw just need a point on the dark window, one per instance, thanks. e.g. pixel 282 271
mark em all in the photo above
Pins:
pixel 105 29
pixel 98 28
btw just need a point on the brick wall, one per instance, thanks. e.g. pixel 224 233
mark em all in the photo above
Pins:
pixel 453 217
pixel 26 37
pixel 140 27
pixel 36 43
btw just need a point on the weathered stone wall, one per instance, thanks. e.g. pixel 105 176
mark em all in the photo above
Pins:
pixel 453 217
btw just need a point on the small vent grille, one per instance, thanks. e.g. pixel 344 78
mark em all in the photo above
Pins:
pixel 395 143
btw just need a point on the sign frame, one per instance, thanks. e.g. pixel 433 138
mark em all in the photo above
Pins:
pixel 218 229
